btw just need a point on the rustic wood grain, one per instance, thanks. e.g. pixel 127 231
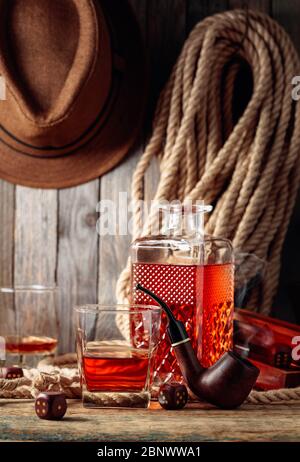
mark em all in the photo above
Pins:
pixel 260 5
pixel 164 37
pixel 35 258
pixel 7 223
pixel 194 423
pixel 165 33
pixel 286 305
pixel 199 10
pixel 287 14
pixel 77 270
pixel 113 249
pixel 35 236
pixel 7 217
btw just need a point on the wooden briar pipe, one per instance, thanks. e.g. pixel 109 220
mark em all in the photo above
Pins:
pixel 226 384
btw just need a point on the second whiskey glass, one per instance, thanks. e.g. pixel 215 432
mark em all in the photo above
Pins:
pixel 29 326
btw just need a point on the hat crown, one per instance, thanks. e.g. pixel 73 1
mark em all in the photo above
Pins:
pixel 42 59
pixel 47 55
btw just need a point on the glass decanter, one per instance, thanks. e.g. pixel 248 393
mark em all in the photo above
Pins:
pixel 187 270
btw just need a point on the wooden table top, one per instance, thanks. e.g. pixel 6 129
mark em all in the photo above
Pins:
pixel 197 422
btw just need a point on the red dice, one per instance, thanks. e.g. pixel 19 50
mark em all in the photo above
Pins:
pixel 13 372
pixel 173 396
pixel 51 405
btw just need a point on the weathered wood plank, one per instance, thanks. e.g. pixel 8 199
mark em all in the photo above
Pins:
pixel 7 222
pixel 113 249
pixel 77 270
pixel 35 236
pixel 164 37
pixel 165 33
pixel 194 423
pixel 35 257
pixel 199 10
pixel 261 5
pixel 7 217
pixel 160 37
pixel 286 305
pixel 287 14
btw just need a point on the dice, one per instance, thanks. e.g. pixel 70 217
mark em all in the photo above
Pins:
pixel 173 396
pixel 51 405
pixel 282 356
pixel 12 372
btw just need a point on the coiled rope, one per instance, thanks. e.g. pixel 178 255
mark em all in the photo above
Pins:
pixel 249 168
pixel 68 380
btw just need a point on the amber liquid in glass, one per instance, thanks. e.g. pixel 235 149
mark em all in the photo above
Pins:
pixel 216 336
pixel 199 296
pixel 30 345
pixel 125 371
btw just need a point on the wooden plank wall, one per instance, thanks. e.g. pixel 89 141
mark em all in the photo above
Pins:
pixel 49 237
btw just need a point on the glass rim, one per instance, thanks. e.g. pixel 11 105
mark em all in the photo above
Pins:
pixel 37 288
pixel 117 308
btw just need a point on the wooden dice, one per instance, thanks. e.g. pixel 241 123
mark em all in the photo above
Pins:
pixel 10 373
pixel 173 396
pixel 51 405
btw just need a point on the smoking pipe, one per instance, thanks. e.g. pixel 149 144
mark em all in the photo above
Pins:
pixel 226 384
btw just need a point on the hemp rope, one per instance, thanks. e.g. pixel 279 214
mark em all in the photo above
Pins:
pixel 274 396
pixel 36 381
pixel 250 170
pixel 68 381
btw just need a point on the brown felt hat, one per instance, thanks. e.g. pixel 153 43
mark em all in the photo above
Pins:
pixel 75 89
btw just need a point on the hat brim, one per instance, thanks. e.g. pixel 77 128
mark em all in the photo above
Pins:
pixel 117 134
